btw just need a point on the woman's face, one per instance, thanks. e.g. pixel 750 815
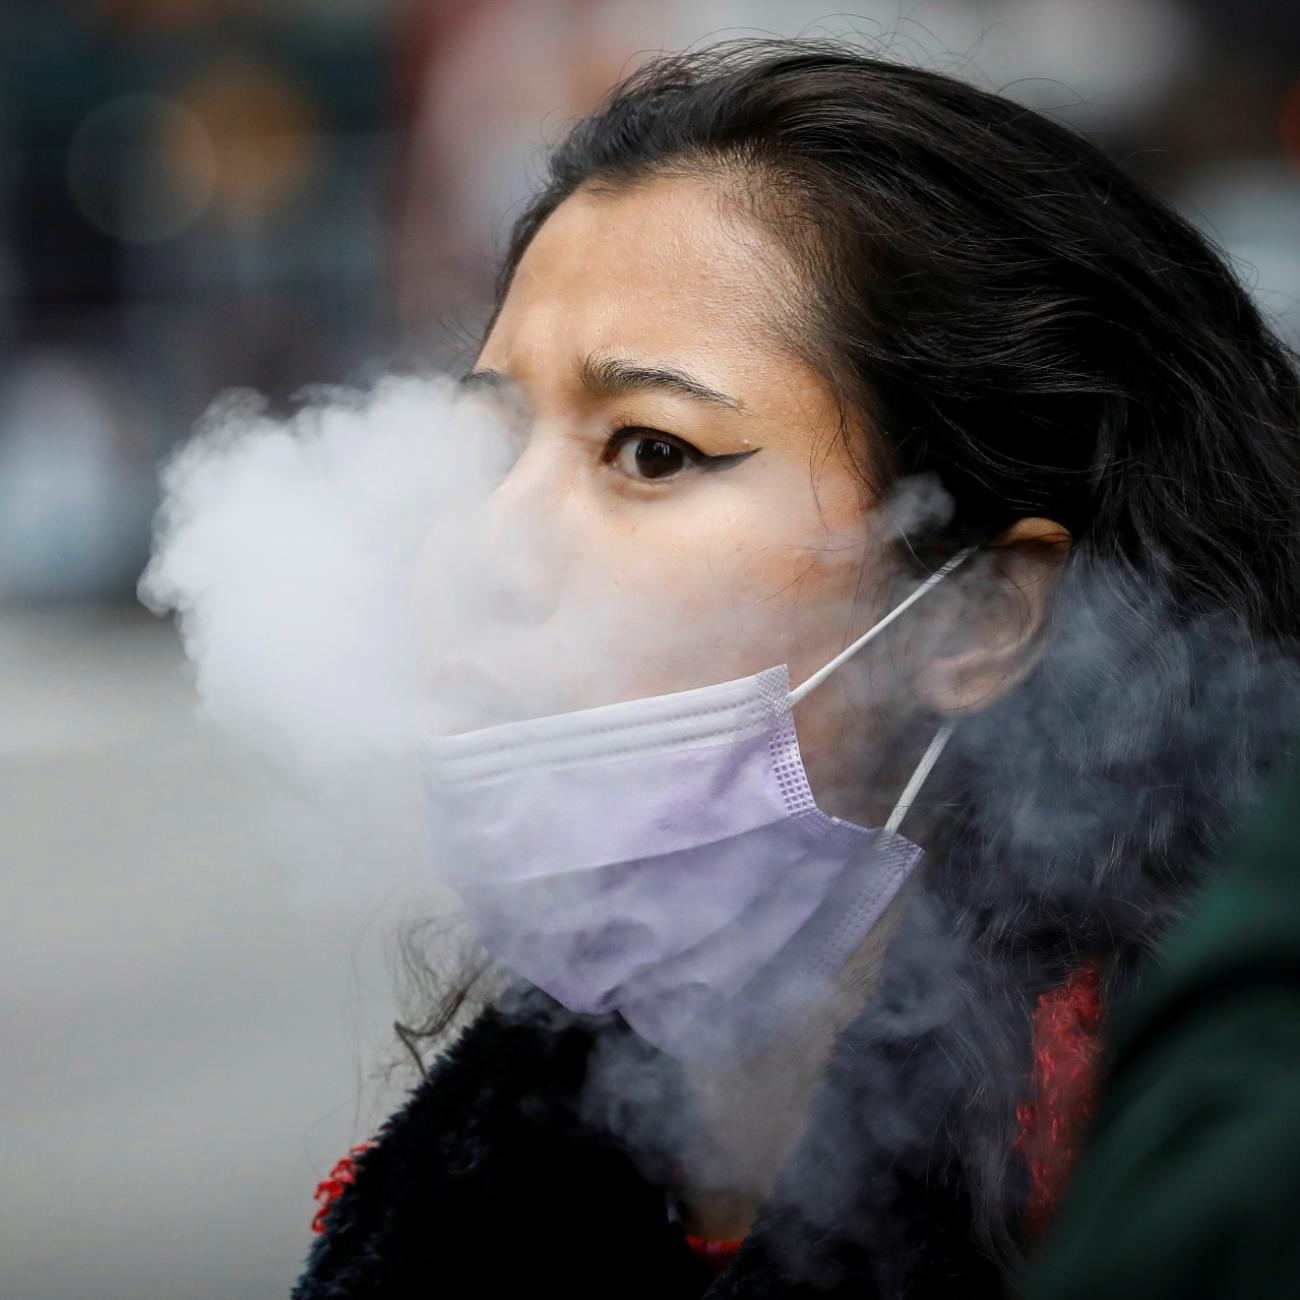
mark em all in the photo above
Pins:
pixel 678 489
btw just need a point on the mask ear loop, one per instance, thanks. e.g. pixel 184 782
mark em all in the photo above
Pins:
pixel 824 672
pixel 931 755
pixel 917 779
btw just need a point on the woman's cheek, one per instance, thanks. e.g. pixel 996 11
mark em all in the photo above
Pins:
pixel 700 609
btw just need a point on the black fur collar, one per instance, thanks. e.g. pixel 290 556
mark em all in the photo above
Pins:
pixel 492 1181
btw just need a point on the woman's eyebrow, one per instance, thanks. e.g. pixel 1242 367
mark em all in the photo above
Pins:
pixel 614 377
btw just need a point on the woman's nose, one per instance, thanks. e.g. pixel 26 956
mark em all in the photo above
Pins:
pixel 523 548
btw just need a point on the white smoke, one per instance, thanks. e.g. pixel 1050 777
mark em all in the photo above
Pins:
pixel 287 550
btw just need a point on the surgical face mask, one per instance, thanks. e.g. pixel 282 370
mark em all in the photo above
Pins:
pixel 665 858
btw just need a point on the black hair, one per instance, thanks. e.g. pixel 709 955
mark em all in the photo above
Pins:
pixel 1005 310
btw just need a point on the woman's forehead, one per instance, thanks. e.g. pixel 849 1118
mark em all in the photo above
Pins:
pixel 603 289
pixel 643 269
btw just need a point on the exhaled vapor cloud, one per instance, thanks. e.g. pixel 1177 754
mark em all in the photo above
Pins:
pixel 345 585
pixel 287 550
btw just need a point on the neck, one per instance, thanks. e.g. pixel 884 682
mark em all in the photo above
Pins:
pixel 750 1116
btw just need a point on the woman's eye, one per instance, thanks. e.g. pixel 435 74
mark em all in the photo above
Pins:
pixel 645 455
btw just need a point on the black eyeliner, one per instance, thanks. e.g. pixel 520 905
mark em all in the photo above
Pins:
pixel 726 460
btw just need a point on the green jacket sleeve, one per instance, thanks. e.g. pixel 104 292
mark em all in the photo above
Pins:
pixel 1190 1182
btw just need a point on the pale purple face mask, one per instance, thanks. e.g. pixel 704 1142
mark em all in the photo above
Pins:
pixel 665 858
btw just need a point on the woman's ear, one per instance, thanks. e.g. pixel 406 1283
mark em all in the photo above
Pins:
pixel 997 640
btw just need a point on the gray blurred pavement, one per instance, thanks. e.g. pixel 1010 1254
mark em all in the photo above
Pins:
pixel 186 1050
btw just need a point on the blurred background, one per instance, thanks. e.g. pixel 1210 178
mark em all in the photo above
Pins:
pixel 197 195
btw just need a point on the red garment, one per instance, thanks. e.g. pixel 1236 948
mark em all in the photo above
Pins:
pixel 330 1189
pixel 1063 1085
pixel 715 1252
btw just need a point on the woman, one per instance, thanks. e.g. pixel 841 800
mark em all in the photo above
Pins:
pixel 787 329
